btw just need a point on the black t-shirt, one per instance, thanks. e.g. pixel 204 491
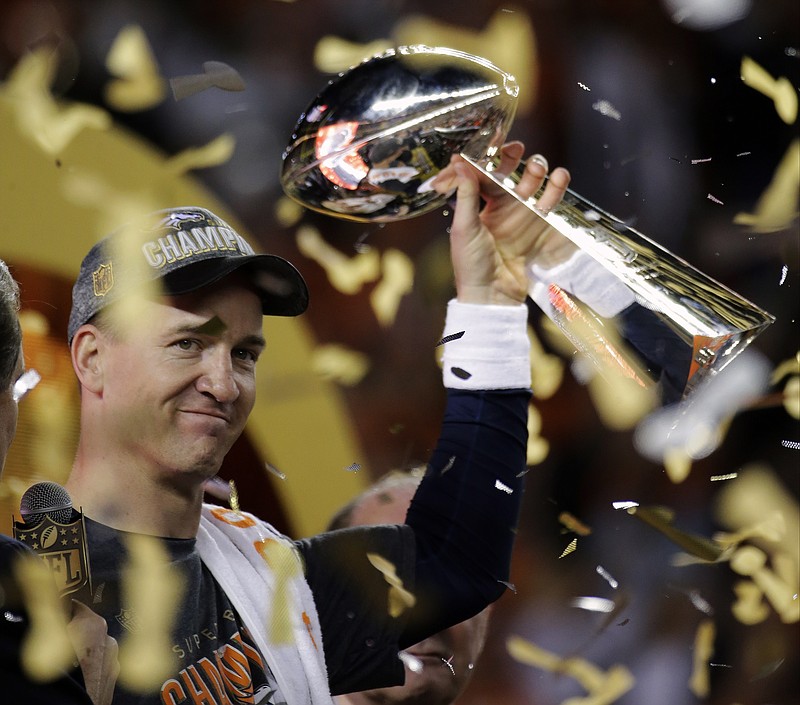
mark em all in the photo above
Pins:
pixel 216 659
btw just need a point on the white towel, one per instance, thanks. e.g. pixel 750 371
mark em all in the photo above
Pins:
pixel 227 542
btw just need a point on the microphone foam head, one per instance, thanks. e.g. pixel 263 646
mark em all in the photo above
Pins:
pixel 45 499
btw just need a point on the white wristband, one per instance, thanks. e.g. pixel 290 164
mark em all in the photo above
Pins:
pixel 486 347
pixel 584 277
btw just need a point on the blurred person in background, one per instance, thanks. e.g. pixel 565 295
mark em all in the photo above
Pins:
pixel 439 668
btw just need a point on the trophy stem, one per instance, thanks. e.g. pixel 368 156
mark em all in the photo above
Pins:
pixel 714 322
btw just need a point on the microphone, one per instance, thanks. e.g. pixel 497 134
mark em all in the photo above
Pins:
pixel 45 499
pixel 56 532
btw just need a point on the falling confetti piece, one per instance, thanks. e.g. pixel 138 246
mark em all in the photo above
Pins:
pixel 397 281
pixel 624 505
pixel 346 274
pixel 571 547
pixel 784 273
pixel 574 524
pixel 353 467
pixel 411 662
pixel 234 497
pixel 216 152
pixel 713 198
pixel 451 338
pixel 699 682
pixel 138 85
pixel 749 607
pixel 49 125
pixel 449 465
pixel 605 108
pixel 603 687
pixel 603 573
pixel 751 562
pixel 594 604
pixel 584 86
pixel 701 161
pixel 400 599
pixel 779 204
pixel 274 471
pixel 215 75
pixel 792 445
pixel 151 592
pixel 340 364
pixel 537 447
pixel 720 478
pixel 502 487
pixel 781 90
pixel 284 562
pixel 791 397
pixel 46 650
pixel 661 518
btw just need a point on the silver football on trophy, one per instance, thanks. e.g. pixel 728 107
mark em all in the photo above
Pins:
pixel 370 143
pixel 368 146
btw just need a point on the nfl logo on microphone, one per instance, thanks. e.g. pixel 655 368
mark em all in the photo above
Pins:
pixel 63 548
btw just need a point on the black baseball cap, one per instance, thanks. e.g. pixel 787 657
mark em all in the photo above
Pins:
pixel 186 248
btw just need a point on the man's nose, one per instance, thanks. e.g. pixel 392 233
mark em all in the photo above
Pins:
pixel 218 377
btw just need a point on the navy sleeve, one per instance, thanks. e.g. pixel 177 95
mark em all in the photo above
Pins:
pixel 465 512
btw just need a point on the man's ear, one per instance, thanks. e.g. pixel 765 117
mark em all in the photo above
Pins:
pixel 87 359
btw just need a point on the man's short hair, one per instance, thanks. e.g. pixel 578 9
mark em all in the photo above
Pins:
pixel 10 331
pixel 344 517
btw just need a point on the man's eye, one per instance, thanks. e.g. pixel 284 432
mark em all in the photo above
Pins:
pixel 186 344
pixel 246 355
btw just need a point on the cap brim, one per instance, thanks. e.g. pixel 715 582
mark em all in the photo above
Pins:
pixel 281 287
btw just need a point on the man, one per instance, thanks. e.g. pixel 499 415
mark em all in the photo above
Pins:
pixel 437 669
pixel 96 652
pixel 167 381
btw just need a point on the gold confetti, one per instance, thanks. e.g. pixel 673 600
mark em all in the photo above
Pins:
pixel 346 274
pixel 216 152
pixel 779 90
pixel 751 562
pixel 508 41
pixel 547 370
pixel 234 497
pixel 397 281
pixel 603 687
pixel 790 366
pixel 282 558
pixel 215 75
pixel 339 363
pixel 791 397
pixel 661 518
pixel 46 650
pixel 574 524
pixel 49 125
pixel 772 529
pixel 538 447
pixel 699 682
pixel 138 85
pixel 779 204
pixel 334 54
pixel 571 546
pixel 678 464
pixel 400 599
pixel 749 607
pixel 152 592
pixel 288 212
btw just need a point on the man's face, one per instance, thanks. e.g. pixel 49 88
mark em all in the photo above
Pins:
pixel 8 412
pixel 178 387
pixel 438 668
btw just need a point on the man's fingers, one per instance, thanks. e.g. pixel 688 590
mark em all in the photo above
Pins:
pixel 554 191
